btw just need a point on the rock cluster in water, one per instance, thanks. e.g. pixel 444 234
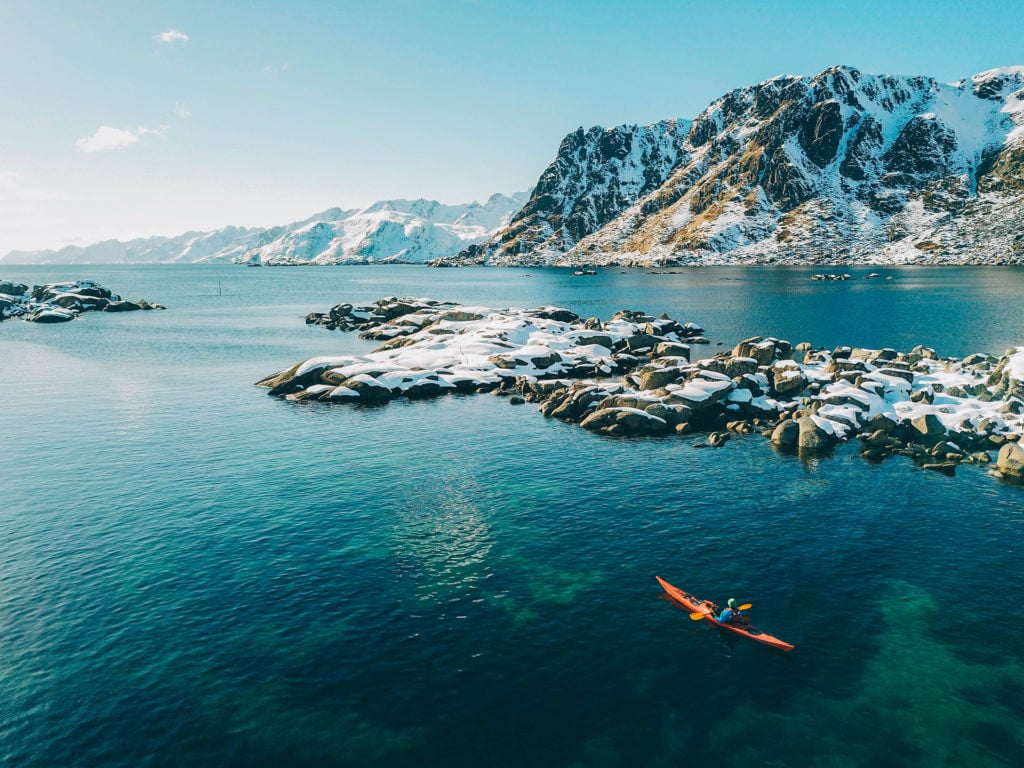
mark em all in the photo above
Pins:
pixel 61 302
pixel 632 375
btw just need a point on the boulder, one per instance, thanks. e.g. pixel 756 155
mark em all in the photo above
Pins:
pixel 505 362
pixel 368 388
pixel 880 421
pixel 572 405
pixel 718 439
pixel 740 366
pixel 390 308
pixel 597 339
pixel 786 380
pixel 655 378
pixel 844 365
pixel 13 289
pixel 786 435
pixel 750 383
pixel 898 373
pixel 927 430
pixel 556 314
pixel 945 467
pixel 68 301
pixel 764 350
pixel 1010 461
pixel 121 306
pixel 624 421
pixel 670 349
pixel 291 380
pixel 339 312
pixel 47 315
pixel 642 341
pixel 813 437
pixel 877 439
pixel 460 316
pixel 426 388
pixel 546 361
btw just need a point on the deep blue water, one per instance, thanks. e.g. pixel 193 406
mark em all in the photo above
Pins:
pixel 193 573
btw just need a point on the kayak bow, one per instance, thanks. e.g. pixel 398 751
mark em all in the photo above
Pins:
pixel 696 605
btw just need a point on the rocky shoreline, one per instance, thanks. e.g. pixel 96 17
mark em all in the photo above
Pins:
pixel 62 302
pixel 633 375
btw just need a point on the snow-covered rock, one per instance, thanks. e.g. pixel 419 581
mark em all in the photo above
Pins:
pixel 607 377
pixel 61 302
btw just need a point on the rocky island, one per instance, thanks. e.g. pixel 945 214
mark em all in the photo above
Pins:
pixel 633 375
pixel 62 302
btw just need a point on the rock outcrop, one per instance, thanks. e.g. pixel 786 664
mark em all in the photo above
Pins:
pixel 611 377
pixel 61 302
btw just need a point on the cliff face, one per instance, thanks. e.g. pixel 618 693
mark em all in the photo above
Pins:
pixel 839 167
pixel 596 175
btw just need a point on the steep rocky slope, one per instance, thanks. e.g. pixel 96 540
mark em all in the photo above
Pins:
pixel 843 167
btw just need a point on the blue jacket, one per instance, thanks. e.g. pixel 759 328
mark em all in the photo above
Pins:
pixel 729 615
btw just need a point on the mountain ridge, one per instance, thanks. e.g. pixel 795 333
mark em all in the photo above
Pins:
pixel 836 168
pixel 393 231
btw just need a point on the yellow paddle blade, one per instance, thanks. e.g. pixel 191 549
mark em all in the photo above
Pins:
pixel 745 607
pixel 697 616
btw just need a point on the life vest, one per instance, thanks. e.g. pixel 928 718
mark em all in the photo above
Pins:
pixel 730 615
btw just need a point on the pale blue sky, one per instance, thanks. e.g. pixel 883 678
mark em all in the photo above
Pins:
pixel 271 111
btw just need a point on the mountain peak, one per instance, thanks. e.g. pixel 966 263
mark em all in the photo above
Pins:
pixel 839 165
pixel 388 230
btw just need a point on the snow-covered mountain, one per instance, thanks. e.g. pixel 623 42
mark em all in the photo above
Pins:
pixel 191 246
pixel 840 167
pixel 407 231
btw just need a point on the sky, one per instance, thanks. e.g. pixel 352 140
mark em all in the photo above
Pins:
pixel 130 119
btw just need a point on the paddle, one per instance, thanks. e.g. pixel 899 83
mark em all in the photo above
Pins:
pixel 698 616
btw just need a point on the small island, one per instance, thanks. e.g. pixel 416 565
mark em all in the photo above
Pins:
pixel 62 302
pixel 632 375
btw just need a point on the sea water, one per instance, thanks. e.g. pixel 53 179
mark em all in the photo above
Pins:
pixel 193 573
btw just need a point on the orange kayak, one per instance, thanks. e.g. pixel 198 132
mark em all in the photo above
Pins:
pixel 709 609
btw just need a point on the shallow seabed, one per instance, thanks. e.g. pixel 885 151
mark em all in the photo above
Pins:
pixel 192 573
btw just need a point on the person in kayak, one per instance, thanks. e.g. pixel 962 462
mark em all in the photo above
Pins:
pixel 732 614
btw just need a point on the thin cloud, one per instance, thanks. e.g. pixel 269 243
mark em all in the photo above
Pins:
pixel 172 37
pixel 182 110
pixel 161 131
pixel 16 189
pixel 107 138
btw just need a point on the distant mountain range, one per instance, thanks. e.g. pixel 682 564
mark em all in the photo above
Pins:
pixel 843 167
pixel 400 231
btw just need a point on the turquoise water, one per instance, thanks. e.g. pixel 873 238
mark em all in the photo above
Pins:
pixel 192 573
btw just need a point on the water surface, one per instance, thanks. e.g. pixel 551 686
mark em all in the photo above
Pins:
pixel 192 573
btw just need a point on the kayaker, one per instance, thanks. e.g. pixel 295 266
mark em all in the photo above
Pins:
pixel 732 614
